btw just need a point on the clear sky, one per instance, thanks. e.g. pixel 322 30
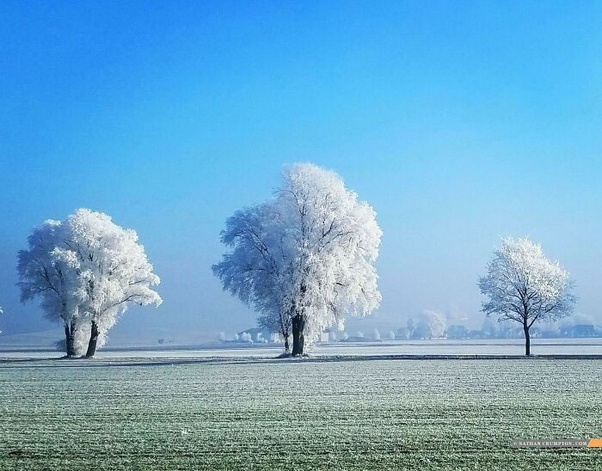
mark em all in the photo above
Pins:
pixel 460 122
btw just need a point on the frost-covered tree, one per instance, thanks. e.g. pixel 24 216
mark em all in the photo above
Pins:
pixel 524 286
pixel 305 258
pixel 112 271
pixel 86 270
pixel 430 325
pixel 45 276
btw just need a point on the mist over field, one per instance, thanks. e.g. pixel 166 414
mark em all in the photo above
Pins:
pixel 458 123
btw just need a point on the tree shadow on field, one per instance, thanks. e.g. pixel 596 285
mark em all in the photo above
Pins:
pixel 63 362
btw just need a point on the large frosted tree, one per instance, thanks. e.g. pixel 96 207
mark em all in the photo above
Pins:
pixel 524 286
pixel 87 270
pixel 305 258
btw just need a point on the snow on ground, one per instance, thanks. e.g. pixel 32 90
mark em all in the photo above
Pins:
pixel 388 348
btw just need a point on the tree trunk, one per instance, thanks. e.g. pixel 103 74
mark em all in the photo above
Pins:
pixel 285 331
pixel 69 347
pixel 295 326
pixel 70 338
pixel 93 340
pixel 298 336
pixel 527 340
pixel 287 347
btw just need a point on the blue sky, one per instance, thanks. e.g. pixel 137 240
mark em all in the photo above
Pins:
pixel 460 122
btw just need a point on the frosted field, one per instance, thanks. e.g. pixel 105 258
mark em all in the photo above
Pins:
pixel 565 346
pixel 297 414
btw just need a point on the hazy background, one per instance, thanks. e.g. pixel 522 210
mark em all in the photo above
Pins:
pixel 460 122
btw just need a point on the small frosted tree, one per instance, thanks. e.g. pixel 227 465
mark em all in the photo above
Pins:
pixel 430 325
pixel 304 259
pixel 524 286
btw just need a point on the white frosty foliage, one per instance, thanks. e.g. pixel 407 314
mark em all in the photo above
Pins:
pixel 430 325
pixel 335 240
pixel 113 268
pixel 523 285
pixel 309 252
pixel 42 274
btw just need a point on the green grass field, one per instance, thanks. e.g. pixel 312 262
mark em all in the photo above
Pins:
pixel 377 414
